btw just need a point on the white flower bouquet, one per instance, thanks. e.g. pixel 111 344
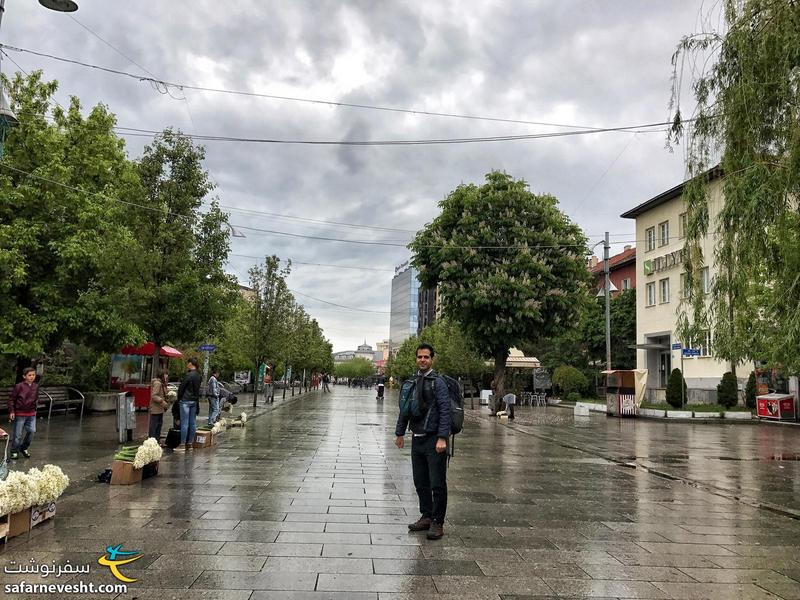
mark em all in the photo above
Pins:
pixel 217 428
pixel 147 453
pixel 24 490
pixel 243 417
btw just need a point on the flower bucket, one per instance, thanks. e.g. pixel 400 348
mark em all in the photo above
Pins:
pixel 150 470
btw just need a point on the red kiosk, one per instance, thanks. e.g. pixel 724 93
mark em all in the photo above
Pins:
pixel 132 370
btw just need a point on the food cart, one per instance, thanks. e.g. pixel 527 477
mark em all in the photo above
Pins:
pixel 132 370
pixel 624 391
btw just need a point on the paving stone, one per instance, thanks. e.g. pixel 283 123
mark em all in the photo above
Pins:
pixel 376 583
pixel 716 591
pixel 318 565
pixel 605 588
pixel 534 586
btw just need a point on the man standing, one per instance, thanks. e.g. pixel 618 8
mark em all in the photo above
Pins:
pixel 326 379
pixel 213 397
pixel 428 445
pixel 189 398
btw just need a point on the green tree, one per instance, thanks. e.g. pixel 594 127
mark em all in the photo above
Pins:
pixel 63 245
pixel 182 293
pixel 356 368
pixel 270 305
pixel 748 111
pixel 728 390
pixel 231 354
pixel 677 393
pixel 509 265
pixel 569 380
pixel 750 390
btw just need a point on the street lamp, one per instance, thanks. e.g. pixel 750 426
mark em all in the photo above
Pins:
pixel 8 119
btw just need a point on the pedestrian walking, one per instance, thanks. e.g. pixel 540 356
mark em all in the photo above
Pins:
pixel 326 379
pixel 510 400
pixel 212 391
pixel 379 386
pixel 430 432
pixel 158 404
pixel 189 399
pixel 22 412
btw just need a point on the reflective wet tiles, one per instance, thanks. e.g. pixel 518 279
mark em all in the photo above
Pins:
pixel 312 501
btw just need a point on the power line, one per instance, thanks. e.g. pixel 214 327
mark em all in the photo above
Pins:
pixel 378 312
pixel 320 221
pixel 182 86
pixel 641 128
pixel 297 262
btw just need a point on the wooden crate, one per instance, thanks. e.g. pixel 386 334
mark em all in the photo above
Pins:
pixel 123 473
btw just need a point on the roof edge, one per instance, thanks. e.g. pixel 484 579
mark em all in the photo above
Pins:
pixel 713 173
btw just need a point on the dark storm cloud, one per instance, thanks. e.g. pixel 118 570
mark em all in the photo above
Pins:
pixel 589 62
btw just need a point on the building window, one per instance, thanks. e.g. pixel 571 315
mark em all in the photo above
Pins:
pixel 663 290
pixel 626 284
pixel 650 290
pixel 704 343
pixel 683 223
pixel 686 286
pixel 650 238
pixel 705 280
pixel 663 233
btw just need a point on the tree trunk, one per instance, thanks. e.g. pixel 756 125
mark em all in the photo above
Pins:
pixel 156 357
pixel 499 388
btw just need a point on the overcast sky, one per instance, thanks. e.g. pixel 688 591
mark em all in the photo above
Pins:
pixel 589 63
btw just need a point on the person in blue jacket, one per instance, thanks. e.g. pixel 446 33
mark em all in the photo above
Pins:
pixel 430 433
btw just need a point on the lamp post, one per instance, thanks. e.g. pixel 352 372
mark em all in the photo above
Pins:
pixel 606 291
pixel 8 120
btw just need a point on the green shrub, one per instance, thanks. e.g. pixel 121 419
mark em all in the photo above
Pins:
pixel 569 379
pixel 573 397
pixel 728 390
pixel 674 397
pixel 750 391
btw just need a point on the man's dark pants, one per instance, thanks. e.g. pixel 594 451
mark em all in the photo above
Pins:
pixel 430 477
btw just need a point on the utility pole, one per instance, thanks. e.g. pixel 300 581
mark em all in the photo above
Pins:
pixel 606 249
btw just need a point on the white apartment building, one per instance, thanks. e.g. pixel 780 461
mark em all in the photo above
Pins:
pixel 660 285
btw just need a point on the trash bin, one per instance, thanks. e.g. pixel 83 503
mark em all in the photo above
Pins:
pixel 126 417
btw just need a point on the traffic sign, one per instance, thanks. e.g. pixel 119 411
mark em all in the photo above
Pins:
pixel 677 346
pixel 207 348
pixel 691 351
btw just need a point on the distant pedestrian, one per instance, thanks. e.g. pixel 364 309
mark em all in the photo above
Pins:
pixel 212 391
pixel 430 431
pixel 189 399
pixel 326 379
pixel 158 404
pixel 379 386
pixel 22 412
pixel 269 387
pixel 510 400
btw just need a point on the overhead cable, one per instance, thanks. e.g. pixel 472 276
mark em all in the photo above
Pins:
pixel 183 86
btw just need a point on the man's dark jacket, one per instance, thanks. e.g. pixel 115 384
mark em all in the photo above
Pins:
pixel 437 419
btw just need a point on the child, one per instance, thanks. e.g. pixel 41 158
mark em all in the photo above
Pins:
pixel 22 412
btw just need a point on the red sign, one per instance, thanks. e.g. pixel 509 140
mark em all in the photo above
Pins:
pixel 776 406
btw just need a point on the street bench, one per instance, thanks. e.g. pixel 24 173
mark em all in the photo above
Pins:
pixel 50 397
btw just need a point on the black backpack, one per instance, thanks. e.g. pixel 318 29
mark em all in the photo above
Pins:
pixel 456 404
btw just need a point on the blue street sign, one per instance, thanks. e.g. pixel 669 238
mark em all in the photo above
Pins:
pixel 676 346
pixel 207 348
pixel 691 352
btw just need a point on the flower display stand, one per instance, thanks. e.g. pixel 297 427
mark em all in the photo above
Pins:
pixel 22 522
pixel 123 473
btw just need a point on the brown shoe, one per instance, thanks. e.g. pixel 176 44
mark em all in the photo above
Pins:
pixel 188 447
pixel 436 532
pixel 421 525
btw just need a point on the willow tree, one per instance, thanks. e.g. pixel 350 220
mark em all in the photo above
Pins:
pixel 746 120
pixel 509 264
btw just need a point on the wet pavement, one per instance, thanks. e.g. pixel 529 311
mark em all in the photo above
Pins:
pixel 311 501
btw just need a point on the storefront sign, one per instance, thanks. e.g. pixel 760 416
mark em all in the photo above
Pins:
pixel 663 263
